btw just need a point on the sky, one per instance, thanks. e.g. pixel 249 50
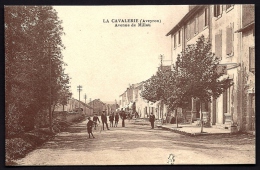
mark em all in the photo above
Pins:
pixel 105 59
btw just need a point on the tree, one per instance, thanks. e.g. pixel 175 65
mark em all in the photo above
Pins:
pixel 32 49
pixel 197 75
pixel 156 88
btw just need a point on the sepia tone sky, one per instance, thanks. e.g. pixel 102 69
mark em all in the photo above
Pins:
pixel 105 59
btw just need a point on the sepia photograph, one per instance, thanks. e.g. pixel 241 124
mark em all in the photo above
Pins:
pixel 129 85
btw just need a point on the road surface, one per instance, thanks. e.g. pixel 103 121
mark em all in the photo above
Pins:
pixel 140 145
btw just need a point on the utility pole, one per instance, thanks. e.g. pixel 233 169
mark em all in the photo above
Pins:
pixel 161 58
pixel 49 54
pixel 85 102
pixel 79 88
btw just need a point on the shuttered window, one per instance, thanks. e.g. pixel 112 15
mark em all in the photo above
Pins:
pixel 218 45
pixel 201 21
pixel 179 38
pixel 217 10
pixel 185 32
pixel 229 41
pixel 188 31
pixel 206 17
pixel 174 41
pixel 252 59
pixel 192 28
pixel 196 29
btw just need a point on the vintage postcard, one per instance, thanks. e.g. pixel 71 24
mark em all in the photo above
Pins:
pixel 130 85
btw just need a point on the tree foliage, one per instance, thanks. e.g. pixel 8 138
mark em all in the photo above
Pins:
pixel 196 67
pixel 32 47
pixel 193 76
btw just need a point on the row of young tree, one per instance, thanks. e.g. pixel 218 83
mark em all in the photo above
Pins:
pixel 34 67
pixel 194 76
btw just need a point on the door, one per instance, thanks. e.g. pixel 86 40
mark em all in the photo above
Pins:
pixel 252 110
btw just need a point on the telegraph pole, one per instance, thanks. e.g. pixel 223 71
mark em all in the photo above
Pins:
pixel 85 102
pixel 79 88
pixel 161 58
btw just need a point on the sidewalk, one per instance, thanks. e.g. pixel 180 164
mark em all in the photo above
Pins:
pixel 185 129
pixel 192 130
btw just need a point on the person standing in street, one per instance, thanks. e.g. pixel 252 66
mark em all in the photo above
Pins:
pixel 152 119
pixel 116 119
pixel 104 120
pixel 89 127
pixel 123 117
pixel 111 119
pixel 95 119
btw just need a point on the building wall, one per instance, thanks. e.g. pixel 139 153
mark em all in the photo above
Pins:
pixel 248 81
pixel 191 30
pixel 227 45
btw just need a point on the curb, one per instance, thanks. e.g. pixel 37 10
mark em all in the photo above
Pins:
pixel 176 130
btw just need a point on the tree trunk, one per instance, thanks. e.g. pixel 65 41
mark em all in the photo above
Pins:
pixel 201 117
pixel 176 116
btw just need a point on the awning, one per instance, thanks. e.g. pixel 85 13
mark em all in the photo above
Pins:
pixel 248 26
pixel 224 77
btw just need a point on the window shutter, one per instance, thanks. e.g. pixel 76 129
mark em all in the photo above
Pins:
pixel 252 59
pixel 206 17
pixel 229 40
pixel 201 21
pixel 215 10
pixel 218 45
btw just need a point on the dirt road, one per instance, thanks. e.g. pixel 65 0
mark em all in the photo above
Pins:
pixel 136 144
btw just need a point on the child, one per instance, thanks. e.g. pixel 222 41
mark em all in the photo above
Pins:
pixel 89 127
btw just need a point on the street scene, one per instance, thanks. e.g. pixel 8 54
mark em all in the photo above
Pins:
pixel 130 85
pixel 140 145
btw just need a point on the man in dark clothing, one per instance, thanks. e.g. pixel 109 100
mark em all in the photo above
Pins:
pixel 152 119
pixel 123 117
pixel 111 119
pixel 89 127
pixel 116 119
pixel 104 120
pixel 95 119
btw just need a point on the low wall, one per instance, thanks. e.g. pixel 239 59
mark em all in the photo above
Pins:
pixel 70 117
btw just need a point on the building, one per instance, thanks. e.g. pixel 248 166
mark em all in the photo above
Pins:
pixel 195 23
pixel 230 29
pixel 74 105
pixel 98 106
pixel 247 72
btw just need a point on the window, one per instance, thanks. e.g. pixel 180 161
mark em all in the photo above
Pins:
pixel 218 45
pixel 185 32
pixel 229 40
pixel 201 19
pixel 252 59
pixel 188 32
pixel 217 10
pixel 206 17
pixel 228 6
pixel 179 42
pixel 192 28
pixel 196 25
pixel 174 41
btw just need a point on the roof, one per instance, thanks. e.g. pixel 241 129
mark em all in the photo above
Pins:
pixel 185 19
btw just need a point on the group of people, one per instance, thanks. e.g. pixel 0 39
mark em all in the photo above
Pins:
pixel 112 117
